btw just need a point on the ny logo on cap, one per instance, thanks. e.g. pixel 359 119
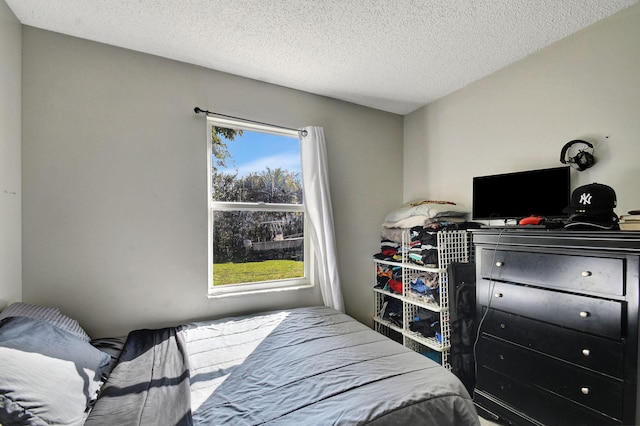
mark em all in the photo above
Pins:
pixel 585 198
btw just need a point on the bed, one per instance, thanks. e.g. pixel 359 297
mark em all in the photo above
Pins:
pixel 304 366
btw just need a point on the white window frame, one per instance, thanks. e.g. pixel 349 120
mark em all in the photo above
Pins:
pixel 307 280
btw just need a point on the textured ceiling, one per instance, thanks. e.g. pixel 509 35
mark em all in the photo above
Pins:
pixel 393 55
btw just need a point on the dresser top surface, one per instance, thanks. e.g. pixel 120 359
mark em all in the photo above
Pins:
pixel 628 241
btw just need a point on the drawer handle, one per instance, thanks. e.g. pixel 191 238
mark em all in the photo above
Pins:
pixel 499 264
pixel 585 391
pixel 498 295
pixel 586 352
pixel 584 314
pixel 586 273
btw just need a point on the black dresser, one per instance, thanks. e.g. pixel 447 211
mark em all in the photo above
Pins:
pixel 558 326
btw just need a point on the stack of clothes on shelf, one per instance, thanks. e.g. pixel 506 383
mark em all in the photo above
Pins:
pixel 389 278
pixel 392 311
pixel 427 323
pixel 422 220
pixel 424 285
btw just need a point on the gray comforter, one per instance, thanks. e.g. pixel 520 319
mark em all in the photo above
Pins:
pixel 306 366
pixel 149 385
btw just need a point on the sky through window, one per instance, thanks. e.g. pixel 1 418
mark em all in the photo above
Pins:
pixel 254 152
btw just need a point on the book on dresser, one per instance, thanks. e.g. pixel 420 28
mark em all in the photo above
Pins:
pixel 630 222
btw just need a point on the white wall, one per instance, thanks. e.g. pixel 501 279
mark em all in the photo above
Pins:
pixel 114 176
pixel 586 86
pixel 10 170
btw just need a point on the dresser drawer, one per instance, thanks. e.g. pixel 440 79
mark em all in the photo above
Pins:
pixel 580 273
pixel 499 393
pixel 598 316
pixel 593 352
pixel 596 391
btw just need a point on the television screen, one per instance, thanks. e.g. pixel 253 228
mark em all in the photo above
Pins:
pixel 543 192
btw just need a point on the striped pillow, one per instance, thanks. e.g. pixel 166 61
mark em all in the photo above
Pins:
pixel 52 315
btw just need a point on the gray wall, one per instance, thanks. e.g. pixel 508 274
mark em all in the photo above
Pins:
pixel 10 171
pixel 586 86
pixel 114 177
pixel 114 185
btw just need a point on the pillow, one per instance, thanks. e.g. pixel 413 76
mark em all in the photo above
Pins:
pixel 427 208
pixel 47 375
pixel 28 310
pixel 52 315
pixel 409 222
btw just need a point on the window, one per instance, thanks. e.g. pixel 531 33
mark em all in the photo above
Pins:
pixel 257 215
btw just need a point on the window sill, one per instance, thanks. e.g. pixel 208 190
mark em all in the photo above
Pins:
pixel 223 294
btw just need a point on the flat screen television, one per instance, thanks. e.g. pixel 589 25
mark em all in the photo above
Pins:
pixel 543 192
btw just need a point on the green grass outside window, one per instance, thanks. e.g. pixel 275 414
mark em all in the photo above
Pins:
pixel 252 272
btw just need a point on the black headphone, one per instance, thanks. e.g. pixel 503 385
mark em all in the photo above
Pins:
pixel 583 159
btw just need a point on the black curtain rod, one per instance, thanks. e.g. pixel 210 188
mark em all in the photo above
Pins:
pixel 198 110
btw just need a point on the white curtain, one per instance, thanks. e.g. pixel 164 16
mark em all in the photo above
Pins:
pixel 315 183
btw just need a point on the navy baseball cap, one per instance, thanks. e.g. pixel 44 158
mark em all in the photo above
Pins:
pixel 592 199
